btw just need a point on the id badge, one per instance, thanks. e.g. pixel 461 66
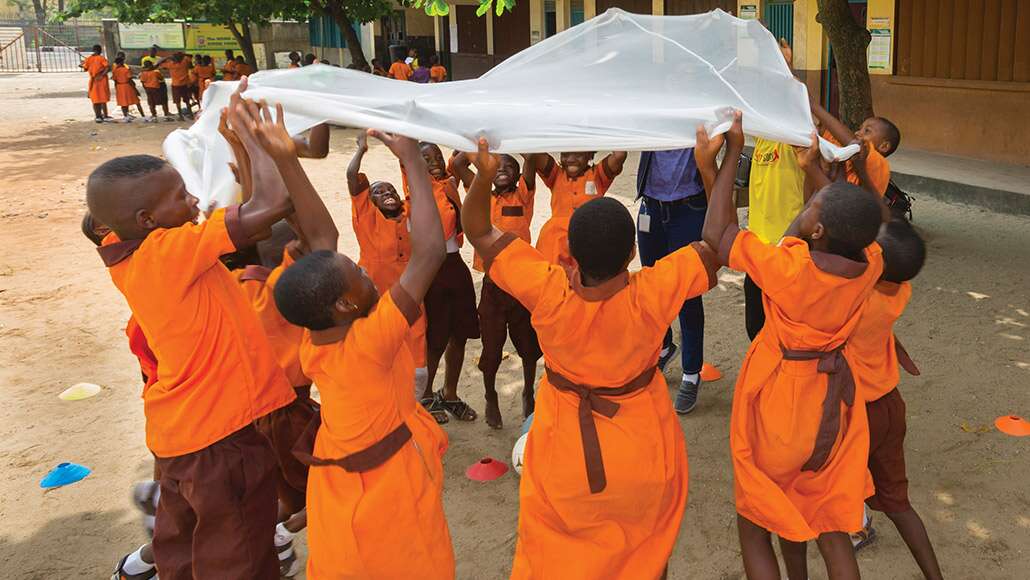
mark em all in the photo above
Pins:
pixel 643 223
pixel 590 188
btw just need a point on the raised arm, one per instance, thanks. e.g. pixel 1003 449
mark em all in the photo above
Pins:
pixel 529 163
pixel 427 244
pixel 706 151
pixel 614 161
pixel 475 214
pixel 354 169
pixel 810 161
pixel 241 167
pixel 722 212
pixel 839 130
pixel 316 144
pixel 269 201
pixel 460 166
pixel 310 214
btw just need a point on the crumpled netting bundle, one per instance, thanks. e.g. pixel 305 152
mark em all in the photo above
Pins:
pixel 620 81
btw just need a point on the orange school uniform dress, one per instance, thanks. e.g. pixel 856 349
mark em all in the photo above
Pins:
pixel 375 505
pixel 437 74
pixel 605 479
pixel 243 70
pixel 385 246
pixel 125 90
pixel 204 73
pixel 511 212
pixel 566 195
pixel 99 88
pixel 400 71
pixel 797 471
pixel 877 166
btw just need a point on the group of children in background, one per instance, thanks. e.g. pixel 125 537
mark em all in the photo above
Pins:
pixel 234 318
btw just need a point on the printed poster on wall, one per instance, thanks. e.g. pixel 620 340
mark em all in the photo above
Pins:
pixel 210 37
pixel 749 11
pixel 141 36
pixel 879 52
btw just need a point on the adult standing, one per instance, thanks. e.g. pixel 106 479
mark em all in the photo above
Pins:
pixel 672 213
pixel 152 58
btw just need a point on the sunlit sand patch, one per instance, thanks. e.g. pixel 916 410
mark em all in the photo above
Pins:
pixel 945 497
pixel 1011 336
pixel 944 515
pixel 977 530
pixel 1023 521
pixel 1009 321
pixel 977 295
pixel 1022 312
pixel 1023 365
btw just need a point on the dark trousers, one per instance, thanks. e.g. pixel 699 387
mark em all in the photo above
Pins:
pixel 216 517
pixel 673 226
pixel 754 310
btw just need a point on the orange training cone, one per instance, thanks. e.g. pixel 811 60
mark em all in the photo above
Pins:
pixel 709 373
pixel 1013 425
pixel 486 469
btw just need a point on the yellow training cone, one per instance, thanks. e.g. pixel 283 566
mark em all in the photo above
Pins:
pixel 79 391
pixel 709 373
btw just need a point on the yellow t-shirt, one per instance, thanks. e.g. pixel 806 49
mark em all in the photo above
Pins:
pixel 777 190
pixel 143 61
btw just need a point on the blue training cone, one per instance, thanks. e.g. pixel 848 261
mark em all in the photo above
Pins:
pixel 64 474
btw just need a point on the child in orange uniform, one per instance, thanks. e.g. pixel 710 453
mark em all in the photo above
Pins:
pixel 400 70
pixel 157 91
pixel 205 71
pixel 96 66
pixel 511 210
pixel 180 72
pixel 437 72
pixel 878 137
pixel 876 357
pixel 375 489
pixel 616 513
pixel 125 89
pixel 799 443
pixel 572 183
pixel 217 373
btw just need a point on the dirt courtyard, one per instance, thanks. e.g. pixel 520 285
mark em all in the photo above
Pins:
pixel 62 322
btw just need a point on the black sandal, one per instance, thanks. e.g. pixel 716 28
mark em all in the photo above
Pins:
pixel 437 410
pixel 458 408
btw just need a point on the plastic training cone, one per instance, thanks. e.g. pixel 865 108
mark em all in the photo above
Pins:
pixel 709 373
pixel 486 469
pixel 1013 425
pixel 64 474
pixel 79 391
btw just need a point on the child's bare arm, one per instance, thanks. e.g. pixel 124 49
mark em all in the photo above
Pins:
pixel 839 130
pixel 353 181
pixel 475 214
pixel 460 166
pixel 427 244
pixel 614 162
pixel 241 168
pixel 529 163
pixel 706 151
pixel 810 160
pixel 316 144
pixel 543 162
pixel 722 212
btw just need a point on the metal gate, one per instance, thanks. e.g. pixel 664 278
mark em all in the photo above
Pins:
pixel 779 17
pixel 29 47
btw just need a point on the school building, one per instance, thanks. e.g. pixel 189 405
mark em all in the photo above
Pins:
pixel 953 74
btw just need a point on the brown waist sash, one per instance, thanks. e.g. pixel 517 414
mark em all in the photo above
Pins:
pixel 367 459
pixel 840 387
pixel 905 361
pixel 593 400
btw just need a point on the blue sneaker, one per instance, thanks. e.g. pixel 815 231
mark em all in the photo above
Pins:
pixel 686 398
pixel 664 359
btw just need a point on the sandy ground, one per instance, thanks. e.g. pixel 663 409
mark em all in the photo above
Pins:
pixel 61 322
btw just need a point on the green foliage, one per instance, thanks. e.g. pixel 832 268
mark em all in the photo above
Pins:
pixel 217 11
pixel 441 8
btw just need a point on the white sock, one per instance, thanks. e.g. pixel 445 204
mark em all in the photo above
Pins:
pixel 134 564
pixel 282 536
pixel 665 352
pixel 692 378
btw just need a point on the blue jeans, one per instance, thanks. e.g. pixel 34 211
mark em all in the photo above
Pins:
pixel 671 228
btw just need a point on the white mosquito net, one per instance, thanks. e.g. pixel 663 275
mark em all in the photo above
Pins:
pixel 620 81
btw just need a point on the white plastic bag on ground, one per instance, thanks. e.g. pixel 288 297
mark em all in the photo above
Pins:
pixel 616 82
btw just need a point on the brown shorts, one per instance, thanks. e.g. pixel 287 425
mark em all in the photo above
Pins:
pixel 181 93
pixel 501 315
pixel 451 305
pixel 158 96
pixel 887 453
pixel 217 511
pixel 283 428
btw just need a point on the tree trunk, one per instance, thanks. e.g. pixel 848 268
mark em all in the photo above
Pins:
pixel 353 42
pixel 40 8
pixel 245 40
pixel 849 41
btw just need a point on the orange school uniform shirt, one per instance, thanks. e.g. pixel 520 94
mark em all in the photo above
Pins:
pixel 218 371
pixel 204 73
pixel 258 283
pixel 179 71
pixel 229 71
pixel 566 195
pixel 877 166
pixel 139 347
pixel 813 302
pixel 387 522
pixel 99 88
pixel 125 89
pixel 151 79
pixel 400 71
pixel 448 202
pixel 875 359
pixel 511 212
pixel 243 70
pixel 385 246
pixel 438 74
pixel 629 528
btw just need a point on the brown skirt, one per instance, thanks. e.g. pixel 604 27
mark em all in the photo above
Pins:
pixel 451 305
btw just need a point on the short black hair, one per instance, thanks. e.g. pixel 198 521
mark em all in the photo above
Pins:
pixel 87 229
pixel 852 218
pixel 893 134
pixel 127 166
pixel 601 237
pixel 904 251
pixel 97 49
pixel 307 290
